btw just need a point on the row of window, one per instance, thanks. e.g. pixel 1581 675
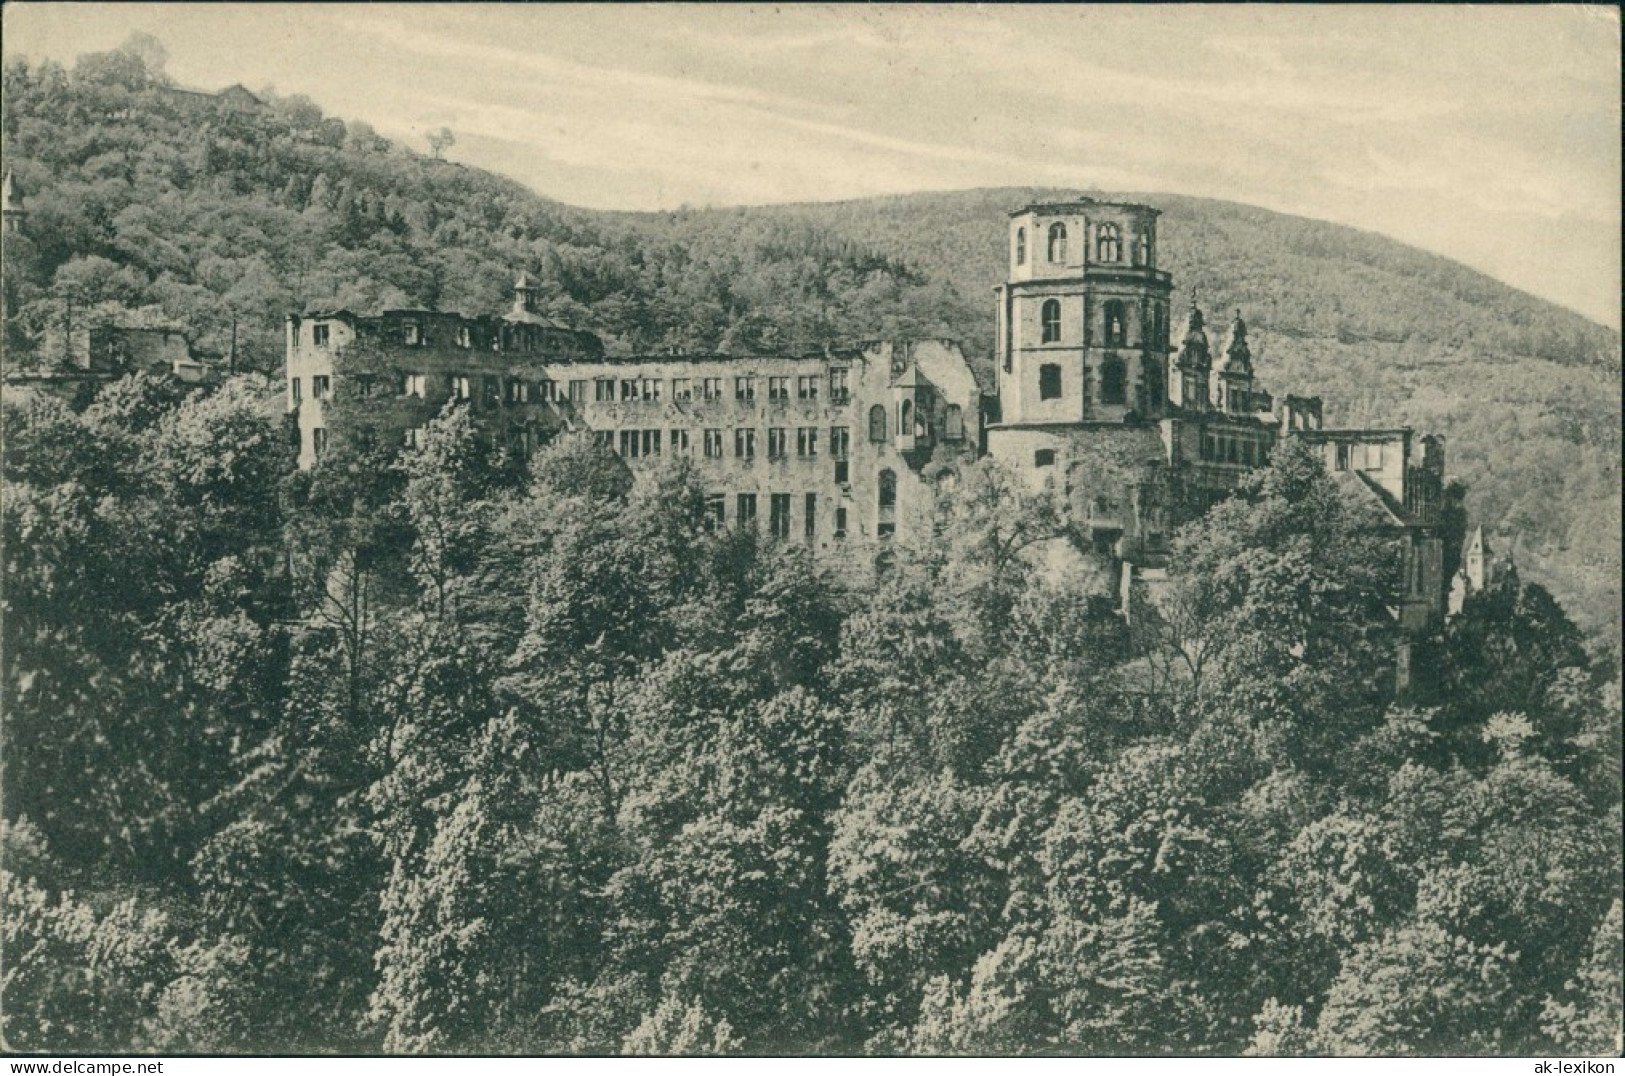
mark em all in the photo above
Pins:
pixel 600 390
pixel 778 514
pixel 1108 244
pixel 489 389
pixel 512 337
pixel 1114 323
pixel 1222 448
pixel 635 444
pixel 1113 382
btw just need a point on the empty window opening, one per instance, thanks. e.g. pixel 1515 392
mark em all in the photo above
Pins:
pixel 1049 381
pixel 1111 382
pixel 877 423
pixel 838 391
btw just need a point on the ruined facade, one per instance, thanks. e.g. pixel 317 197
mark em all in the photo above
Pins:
pixel 829 449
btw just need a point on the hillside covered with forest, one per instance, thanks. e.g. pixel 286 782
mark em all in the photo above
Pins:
pixel 150 207
pixel 444 750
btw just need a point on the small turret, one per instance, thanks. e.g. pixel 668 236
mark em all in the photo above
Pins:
pixel 525 294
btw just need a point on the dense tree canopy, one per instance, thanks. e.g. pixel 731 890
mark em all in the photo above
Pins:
pixel 436 751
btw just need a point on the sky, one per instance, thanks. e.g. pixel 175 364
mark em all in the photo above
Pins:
pixel 1488 134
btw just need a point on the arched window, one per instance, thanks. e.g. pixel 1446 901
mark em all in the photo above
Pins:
pixel 1111 382
pixel 1049 381
pixel 1050 318
pixel 1116 319
pixel 1108 243
pixel 1021 246
pixel 954 425
pixel 1057 243
pixel 888 489
pixel 877 423
pixel 905 419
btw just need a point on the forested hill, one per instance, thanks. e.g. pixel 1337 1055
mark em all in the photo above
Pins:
pixel 149 206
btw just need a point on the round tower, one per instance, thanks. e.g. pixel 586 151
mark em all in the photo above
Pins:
pixel 1082 316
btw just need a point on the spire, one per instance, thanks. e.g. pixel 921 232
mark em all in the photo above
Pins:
pixel 1238 357
pixel 1193 352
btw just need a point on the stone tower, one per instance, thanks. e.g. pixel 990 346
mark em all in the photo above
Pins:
pixel 11 206
pixel 1082 316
